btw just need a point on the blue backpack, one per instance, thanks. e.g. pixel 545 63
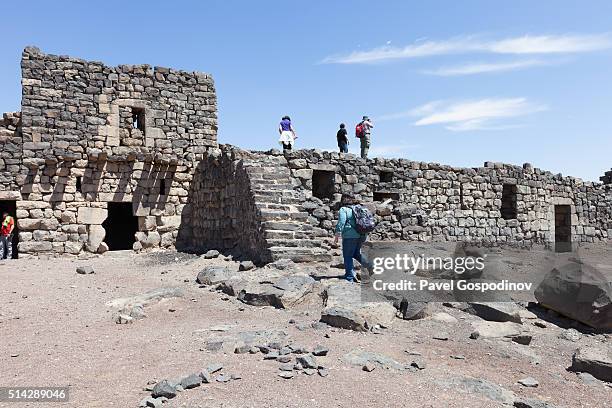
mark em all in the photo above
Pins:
pixel 364 219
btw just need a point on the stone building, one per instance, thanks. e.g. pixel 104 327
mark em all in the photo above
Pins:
pixel 107 158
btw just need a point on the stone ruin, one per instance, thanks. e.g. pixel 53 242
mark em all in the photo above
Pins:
pixel 109 158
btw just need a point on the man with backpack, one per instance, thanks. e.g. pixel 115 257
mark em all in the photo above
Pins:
pixel 363 131
pixel 6 236
pixel 354 223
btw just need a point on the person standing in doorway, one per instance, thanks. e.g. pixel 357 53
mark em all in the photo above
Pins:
pixel 342 137
pixel 6 236
pixel 366 126
pixel 287 134
pixel 351 238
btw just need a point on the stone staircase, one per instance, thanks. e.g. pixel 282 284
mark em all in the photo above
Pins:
pixel 285 227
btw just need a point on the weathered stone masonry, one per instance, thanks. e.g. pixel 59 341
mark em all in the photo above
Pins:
pixel 92 135
pixel 95 148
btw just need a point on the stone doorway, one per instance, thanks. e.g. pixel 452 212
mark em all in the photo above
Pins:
pixel 121 226
pixel 10 206
pixel 563 228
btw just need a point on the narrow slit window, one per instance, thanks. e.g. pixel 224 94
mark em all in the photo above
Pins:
pixel 162 187
pixel 79 184
pixel 138 119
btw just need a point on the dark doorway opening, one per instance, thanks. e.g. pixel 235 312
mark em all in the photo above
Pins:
pixel 508 206
pixel 10 206
pixel 121 227
pixel 563 228
pixel 382 196
pixel 323 183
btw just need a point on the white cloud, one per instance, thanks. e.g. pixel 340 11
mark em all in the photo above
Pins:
pixel 539 44
pixel 484 114
pixel 485 67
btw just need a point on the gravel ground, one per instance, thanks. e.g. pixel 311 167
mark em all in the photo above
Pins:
pixel 56 330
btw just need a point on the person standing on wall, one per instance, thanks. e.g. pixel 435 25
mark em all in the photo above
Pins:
pixel 287 134
pixel 342 137
pixel 6 236
pixel 354 223
pixel 363 132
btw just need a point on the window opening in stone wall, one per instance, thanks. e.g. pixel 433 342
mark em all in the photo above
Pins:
pixel 10 206
pixel 162 187
pixel 508 206
pixel 461 199
pixel 382 196
pixel 131 126
pixel 323 183
pixel 138 119
pixel 386 176
pixel 79 184
pixel 121 227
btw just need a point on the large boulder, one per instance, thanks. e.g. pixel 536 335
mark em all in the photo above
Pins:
pixel 580 292
pixel 282 293
pixel 496 311
pixel 212 275
pixel 595 361
pixel 345 308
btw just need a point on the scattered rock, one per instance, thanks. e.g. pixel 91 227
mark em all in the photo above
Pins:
pixel 540 324
pixel 532 403
pixel 191 381
pixel 211 254
pixel 479 386
pixel 214 367
pixel 443 317
pixel 529 382
pixel 164 389
pixel 413 310
pixel 360 358
pixel 595 361
pixel 369 366
pixel 495 330
pixel 286 374
pixel 123 319
pixel 320 351
pixel 284 359
pixel 420 365
pixel 246 266
pixel 206 377
pixel 212 275
pixel 496 311
pixel 323 372
pixel 572 335
pixel 580 292
pixel 272 355
pixel 85 270
pixel 346 309
pixel 307 361
pixel 223 378
pixel 524 339
pixel 440 336
pixel 458 357
pixel 286 367
pixel 310 371
pixel 588 379
pixel 242 349
pixel 151 402
pixel 236 377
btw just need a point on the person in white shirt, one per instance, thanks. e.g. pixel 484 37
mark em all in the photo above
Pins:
pixel 366 125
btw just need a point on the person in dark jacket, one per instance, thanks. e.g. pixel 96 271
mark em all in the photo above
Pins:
pixel 342 137
pixel 351 239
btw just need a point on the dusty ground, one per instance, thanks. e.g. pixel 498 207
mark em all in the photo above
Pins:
pixel 56 330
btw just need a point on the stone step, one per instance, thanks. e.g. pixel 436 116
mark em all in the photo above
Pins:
pixel 292 234
pixel 277 199
pixel 275 206
pixel 271 186
pixel 269 215
pixel 298 243
pixel 301 254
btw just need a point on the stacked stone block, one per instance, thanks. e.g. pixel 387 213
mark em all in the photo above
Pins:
pixel 91 135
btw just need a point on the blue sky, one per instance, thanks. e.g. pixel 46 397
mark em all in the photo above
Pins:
pixel 445 81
